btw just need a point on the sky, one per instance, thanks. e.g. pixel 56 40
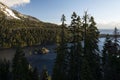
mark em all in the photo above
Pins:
pixel 105 12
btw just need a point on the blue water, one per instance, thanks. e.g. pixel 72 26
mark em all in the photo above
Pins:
pixel 107 31
pixel 47 60
pixel 41 61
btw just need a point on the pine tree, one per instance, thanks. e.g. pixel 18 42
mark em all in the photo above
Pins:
pixel 105 51
pixel 111 58
pixel 4 70
pixel 34 74
pixel 44 75
pixel 85 71
pixel 20 66
pixel 83 61
pixel 75 49
pixel 60 67
pixel 116 41
pixel 91 51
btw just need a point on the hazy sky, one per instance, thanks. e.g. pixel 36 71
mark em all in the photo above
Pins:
pixel 105 12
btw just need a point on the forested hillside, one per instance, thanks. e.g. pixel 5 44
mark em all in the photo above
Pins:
pixel 26 33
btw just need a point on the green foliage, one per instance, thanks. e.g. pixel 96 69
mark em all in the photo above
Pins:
pixel 85 71
pixel 4 70
pixel 26 32
pixel 44 75
pixel 26 36
pixel 84 56
pixel 81 61
pixel 76 60
pixel 34 74
pixel 75 27
pixel 20 66
pixel 60 67
pixel 91 51
pixel 111 58
pixel 75 49
pixel 19 70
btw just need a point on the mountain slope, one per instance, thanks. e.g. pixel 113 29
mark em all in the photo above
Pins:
pixel 7 11
pixel 12 18
pixel 17 29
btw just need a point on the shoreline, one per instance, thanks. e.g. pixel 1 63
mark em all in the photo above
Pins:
pixel 104 35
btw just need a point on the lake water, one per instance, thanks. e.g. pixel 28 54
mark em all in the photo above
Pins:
pixel 39 61
pixel 47 60
pixel 106 31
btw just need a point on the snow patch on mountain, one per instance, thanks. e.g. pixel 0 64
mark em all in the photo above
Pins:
pixel 8 12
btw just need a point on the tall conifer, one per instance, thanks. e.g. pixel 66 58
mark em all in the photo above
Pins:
pixel 60 67
pixel 20 66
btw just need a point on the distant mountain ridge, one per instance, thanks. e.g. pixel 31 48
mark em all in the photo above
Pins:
pixel 13 14
pixel 17 29
pixel 13 18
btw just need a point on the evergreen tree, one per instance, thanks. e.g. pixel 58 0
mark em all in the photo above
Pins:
pixel 83 61
pixel 85 71
pixel 44 75
pixel 75 49
pixel 20 66
pixel 111 58
pixel 106 49
pixel 4 70
pixel 60 67
pixel 116 41
pixel 91 51
pixel 34 75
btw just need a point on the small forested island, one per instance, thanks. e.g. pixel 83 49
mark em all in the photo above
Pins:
pixel 72 50
pixel 41 51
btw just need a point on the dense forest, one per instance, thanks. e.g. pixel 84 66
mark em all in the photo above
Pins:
pixel 82 60
pixel 21 69
pixel 78 55
pixel 26 33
